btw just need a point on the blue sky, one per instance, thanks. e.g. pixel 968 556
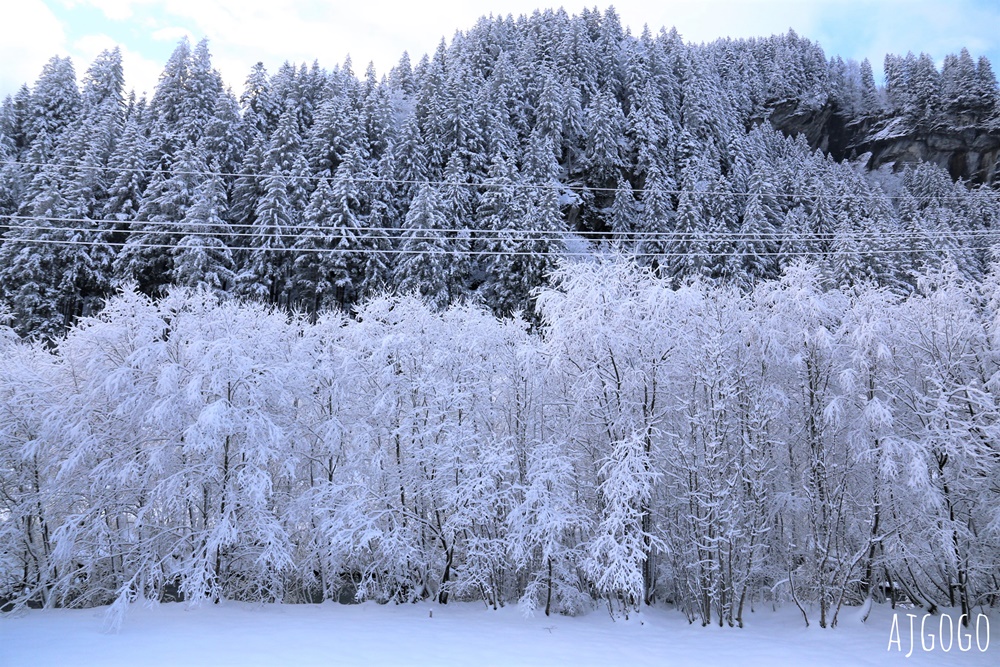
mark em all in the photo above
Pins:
pixel 241 32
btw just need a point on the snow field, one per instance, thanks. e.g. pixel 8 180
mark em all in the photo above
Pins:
pixel 456 634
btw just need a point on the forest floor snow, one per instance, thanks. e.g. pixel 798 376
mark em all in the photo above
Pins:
pixel 460 634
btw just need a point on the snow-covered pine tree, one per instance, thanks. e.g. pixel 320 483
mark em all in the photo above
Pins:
pixel 424 263
pixel 54 103
pixel 145 255
pixel 344 264
pixel 265 270
pixel 37 267
pixel 605 147
pixel 202 257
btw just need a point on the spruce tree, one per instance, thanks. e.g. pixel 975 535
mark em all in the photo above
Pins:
pixel 424 265
pixel 265 268
pixel 202 257
pixel 145 256
pixel 605 140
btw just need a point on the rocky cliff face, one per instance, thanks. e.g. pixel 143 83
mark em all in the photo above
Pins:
pixel 969 152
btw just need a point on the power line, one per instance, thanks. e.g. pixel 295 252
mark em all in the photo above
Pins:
pixel 516 234
pixel 479 253
pixel 517 186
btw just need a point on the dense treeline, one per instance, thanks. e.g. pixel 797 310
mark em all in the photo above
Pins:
pixel 706 447
pixel 467 174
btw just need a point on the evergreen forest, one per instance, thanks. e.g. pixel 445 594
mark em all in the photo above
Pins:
pixel 469 174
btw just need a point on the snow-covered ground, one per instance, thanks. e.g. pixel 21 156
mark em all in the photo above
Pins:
pixel 456 634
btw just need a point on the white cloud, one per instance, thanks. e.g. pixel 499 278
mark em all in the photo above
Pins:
pixel 113 10
pixel 141 74
pixel 26 48
pixel 171 34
